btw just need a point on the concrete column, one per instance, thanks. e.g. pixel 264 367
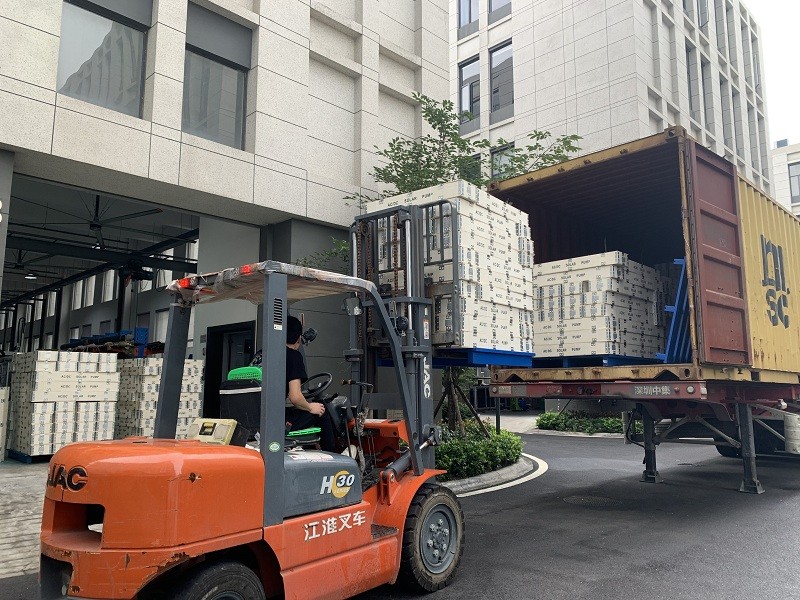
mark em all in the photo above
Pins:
pixel 6 175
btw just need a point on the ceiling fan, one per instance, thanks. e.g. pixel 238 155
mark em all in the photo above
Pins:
pixel 96 222
pixel 22 266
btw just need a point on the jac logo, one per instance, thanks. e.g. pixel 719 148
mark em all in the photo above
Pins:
pixel 777 295
pixel 73 479
pixel 426 378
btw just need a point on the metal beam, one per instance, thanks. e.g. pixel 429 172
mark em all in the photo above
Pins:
pixel 58 285
pixel 97 254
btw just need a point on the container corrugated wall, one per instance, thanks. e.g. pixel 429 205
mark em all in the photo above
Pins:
pixel 771 237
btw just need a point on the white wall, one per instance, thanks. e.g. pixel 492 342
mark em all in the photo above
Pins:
pixel 223 245
pixel 616 70
pixel 313 106
pixel 781 159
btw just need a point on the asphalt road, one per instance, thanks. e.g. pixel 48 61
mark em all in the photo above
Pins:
pixel 588 529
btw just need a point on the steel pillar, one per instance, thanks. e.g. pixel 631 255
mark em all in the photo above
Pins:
pixel 650 473
pixel 57 317
pixel 169 391
pixel 750 482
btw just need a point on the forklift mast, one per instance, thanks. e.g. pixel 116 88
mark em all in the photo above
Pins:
pixel 388 249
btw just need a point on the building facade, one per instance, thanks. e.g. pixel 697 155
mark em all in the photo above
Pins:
pixel 786 175
pixel 213 133
pixel 613 71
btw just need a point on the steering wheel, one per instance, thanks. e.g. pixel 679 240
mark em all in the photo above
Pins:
pixel 315 385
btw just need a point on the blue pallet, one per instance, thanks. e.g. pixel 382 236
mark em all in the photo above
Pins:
pixel 474 357
pixel 27 459
pixel 679 343
pixel 590 360
pixel 480 357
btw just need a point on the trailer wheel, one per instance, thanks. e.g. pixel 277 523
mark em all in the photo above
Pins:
pixel 224 580
pixel 727 451
pixel 433 539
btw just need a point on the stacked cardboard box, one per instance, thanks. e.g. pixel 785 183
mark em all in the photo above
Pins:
pixel 481 248
pixel 60 397
pixel 599 304
pixel 138 400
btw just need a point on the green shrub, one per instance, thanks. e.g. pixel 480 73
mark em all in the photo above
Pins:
pixel 580 421
pixel 475 454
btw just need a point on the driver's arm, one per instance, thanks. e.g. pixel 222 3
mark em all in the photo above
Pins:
pixel 299 402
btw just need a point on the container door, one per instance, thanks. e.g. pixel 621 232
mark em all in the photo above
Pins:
pixel 720 298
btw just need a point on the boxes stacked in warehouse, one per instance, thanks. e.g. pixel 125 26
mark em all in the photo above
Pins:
pixel 60 397
pixel 603 304
pixel 479 246
pixel 138 400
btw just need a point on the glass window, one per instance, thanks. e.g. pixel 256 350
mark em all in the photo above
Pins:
pixel 500 158
pixel 77 295
pixel 86 330
pixel 37 307
pixel 105 327
pixel 213 100
pixel 502 77
pixel 495 4
pixel 109 285
pixel 48 341
pixel 159 333
pixel 467 12
pixel 470 77
pixel 164 276
pixel 794 182
pixel 51 305
pixel 101 61
pixel 145 286
pixel 74 333
pixel 88 291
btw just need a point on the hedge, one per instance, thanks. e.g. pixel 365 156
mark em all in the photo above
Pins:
pixel 579 421
pixel 475 454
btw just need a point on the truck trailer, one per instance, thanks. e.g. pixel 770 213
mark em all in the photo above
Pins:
pixel 665 199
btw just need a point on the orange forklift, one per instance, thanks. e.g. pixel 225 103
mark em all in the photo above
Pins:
pixel 160 518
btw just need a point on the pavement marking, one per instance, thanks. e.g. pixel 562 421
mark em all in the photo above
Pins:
pixel 537 473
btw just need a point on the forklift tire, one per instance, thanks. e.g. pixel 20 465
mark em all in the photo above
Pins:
pixel 220 580
pixel 433 539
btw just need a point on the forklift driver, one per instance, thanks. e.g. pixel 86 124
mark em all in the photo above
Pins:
pixel 301 413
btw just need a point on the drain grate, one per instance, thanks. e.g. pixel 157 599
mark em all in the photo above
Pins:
pixel 593 501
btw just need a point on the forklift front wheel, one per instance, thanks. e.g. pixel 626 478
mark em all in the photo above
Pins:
pixel 223 580
pixel 433 539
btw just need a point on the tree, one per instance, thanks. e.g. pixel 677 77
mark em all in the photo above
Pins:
pixel 444 155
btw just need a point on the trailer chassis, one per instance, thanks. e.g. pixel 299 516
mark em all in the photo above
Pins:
pixel 715 407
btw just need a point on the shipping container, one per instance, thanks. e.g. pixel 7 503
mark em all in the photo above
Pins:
pixel 658 199
pixel 666 197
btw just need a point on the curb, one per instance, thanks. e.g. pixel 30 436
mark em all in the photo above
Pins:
pixel 519 469
pixel 614 436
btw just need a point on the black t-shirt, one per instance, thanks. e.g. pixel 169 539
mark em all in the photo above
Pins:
pixel 295 367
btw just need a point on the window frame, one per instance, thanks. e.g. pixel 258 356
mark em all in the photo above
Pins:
pixel 225 63
pixel 127 22
pixel 500 110
pixel 794 200
pixel 470 61
pixel 497 153
pixel 473 18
